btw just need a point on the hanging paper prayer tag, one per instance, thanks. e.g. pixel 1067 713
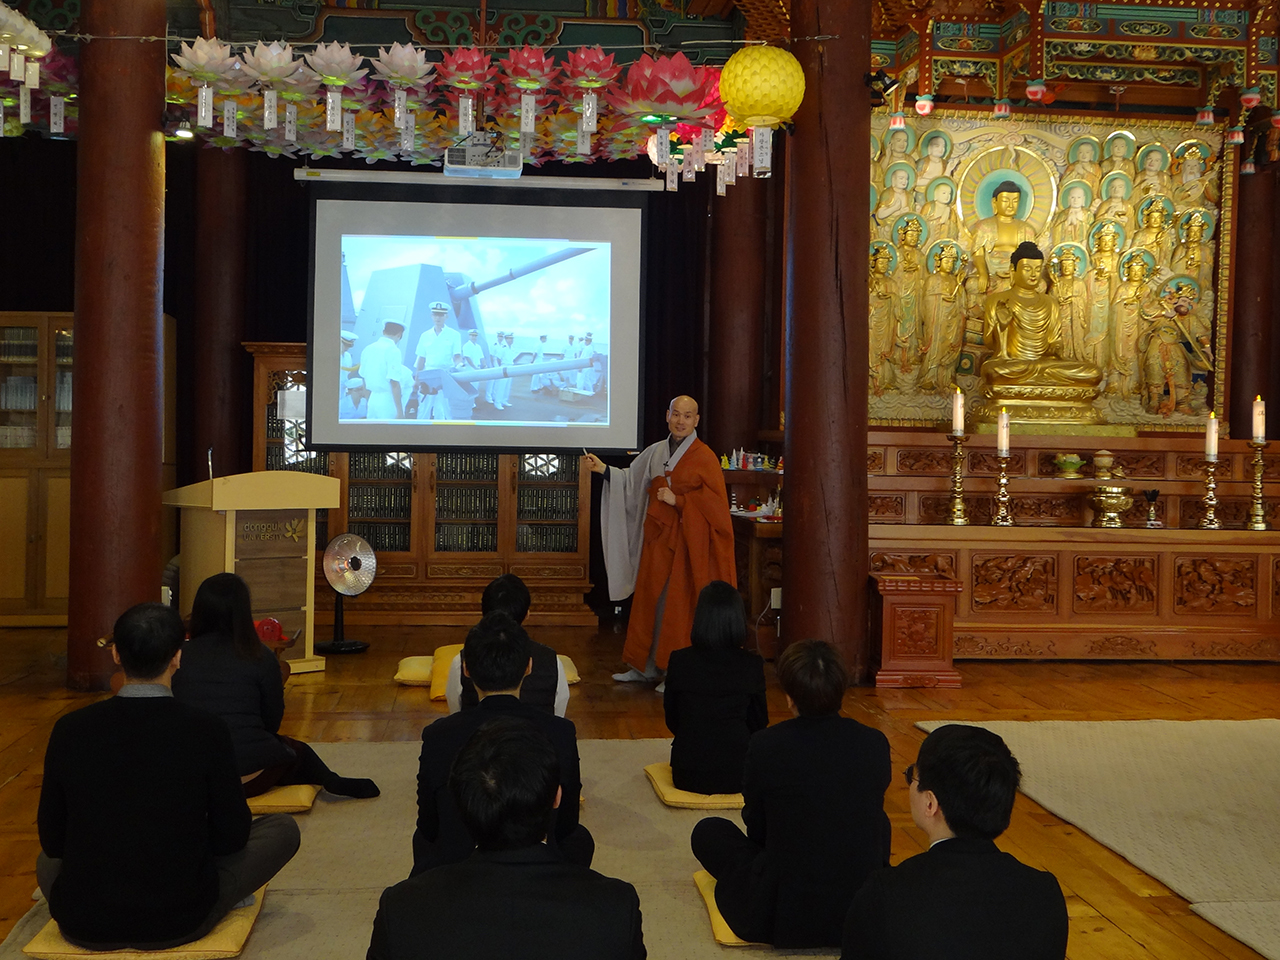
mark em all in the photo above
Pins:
pixel 407 132
pixel 528 113
pixel 204 106
pixel 688 166
pixel 17 66
pixel 695 154
pixel 24 104
pixel 466 115
pixel 744 159
pixel 57 115
pixel 401 101
pixel 33 74
pixel 333 108
pixel 722 179
pixel 4 57
pixel 590 109
pixel 348 131
pixel 584 138
pixel 291 122
pixel 730 166
pixel 708 140
pixel 229 118
pixel 270 112
pixel 662 146
pixel 762 150
pixel 673 174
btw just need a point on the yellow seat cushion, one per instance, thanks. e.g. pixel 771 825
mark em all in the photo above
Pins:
pixel 659 775
pixel 440 678
pixel 415 671
pixel 225 940
pixel 295 798
pixel 570 669
pixel 724 936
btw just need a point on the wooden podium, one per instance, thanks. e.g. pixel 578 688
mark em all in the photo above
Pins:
pixel 261 526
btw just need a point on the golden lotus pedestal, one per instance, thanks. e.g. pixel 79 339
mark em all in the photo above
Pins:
pixel 1039 404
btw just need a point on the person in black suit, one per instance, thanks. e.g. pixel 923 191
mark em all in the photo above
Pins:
pixel 514 896
pixel 496 658
pixel 814 790
pixel 145 836
pixel 962 899
pixel 714 698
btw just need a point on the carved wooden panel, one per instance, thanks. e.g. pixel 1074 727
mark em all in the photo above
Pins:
pixel 1214 585
pixel 887 509
pixel 1270 468
pixel 943 564
pixel 1061 510
pixel 1191 467
pixel 1253 648
pixel 935 509
pixel 875 460
pixel 1233 512
pixel 1139 466
pixel 397 569
pixel 1027 584
pixel 915 632
pixel 1275 589
pixel 925 460
pixel 1114 584
pixel 535 571
pixel 988 464
pixel 489 570
pixel 1136 516
pixel 1121 646
pixel 968 645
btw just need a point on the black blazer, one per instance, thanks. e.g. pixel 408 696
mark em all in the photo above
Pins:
pixel 714 701
pixel 961 900
pixel 247 694
pixel 525 903
pixel 814 791
pixel 440 836
pixel 538 688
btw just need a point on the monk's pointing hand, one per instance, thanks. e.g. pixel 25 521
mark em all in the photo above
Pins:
pixel 594 462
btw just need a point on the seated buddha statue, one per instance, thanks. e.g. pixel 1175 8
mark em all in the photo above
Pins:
pixel 1029 372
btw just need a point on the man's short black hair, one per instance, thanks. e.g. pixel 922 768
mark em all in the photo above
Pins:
pixel 974 776
pixel 1027 250
pixel 719 622
pixel 813 676
pixel 496 653
pixel 506 594
pixel 146 637
pixel 504 781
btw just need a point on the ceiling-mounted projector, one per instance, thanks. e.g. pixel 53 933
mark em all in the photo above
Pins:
pixel 480 156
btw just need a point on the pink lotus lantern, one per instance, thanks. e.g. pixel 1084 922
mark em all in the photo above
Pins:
pixel 529 68
pixel 665 90
pixel 898 121
pixel 589 68
pixel 924 104
pixel 1235 136
pixel 1002 110
pixel 1248 167
pixel 1250 97
pixel 1204 117
pixel 468 70
pixel 1036 89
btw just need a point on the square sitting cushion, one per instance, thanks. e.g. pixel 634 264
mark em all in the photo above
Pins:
pixel 295 798
pixel 225 940
pixel 719 928
pixel 440 677
pixel 570 670
pixel 659 775
pixel 415 671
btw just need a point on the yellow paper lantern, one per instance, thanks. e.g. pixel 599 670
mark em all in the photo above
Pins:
pixel 762 86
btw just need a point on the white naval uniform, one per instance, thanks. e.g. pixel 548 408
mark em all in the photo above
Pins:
pixel 502 388
pixel 380 363
pixel 437 350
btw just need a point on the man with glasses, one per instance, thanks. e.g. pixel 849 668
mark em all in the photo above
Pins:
pixel 962 899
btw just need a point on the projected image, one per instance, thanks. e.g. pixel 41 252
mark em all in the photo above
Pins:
pixel 490 330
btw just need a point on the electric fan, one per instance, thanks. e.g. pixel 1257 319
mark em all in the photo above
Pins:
pixel 349 566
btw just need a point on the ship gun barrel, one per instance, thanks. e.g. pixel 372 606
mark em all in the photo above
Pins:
pixel 515 273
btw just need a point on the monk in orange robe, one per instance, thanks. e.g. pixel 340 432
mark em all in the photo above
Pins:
pixel 667 534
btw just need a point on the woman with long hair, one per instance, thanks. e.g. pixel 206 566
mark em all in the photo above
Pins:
pixel 714 698
pixel 226 670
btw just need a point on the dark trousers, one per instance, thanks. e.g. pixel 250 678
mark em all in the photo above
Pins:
pixel 273 840
pixel 579 847
pixel 721 846
pixel 305 767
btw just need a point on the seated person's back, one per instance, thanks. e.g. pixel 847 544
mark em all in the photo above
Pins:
pixel 514 896
pixel 814 791
pixel 139 801
pixel 714 697
pixel 496 656
pixel 546 686
pixel 963 899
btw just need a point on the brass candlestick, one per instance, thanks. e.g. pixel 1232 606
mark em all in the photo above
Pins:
pixel 1257 512
pixel 1210 519
pixel 1002 518
pixel 957 516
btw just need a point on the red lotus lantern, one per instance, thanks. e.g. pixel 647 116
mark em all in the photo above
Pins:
pixel 1250 97
pixel 897 121
pixel 1002 109
pixel 665 90
pixel 1235 136
pixel 1248 167
pixel 1036 90
pixel 1204 117
pixel 590 68
pixel 529 68
pixel 924 104
pixel 468 70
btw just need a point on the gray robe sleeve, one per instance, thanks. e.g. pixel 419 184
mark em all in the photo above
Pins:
pixel 623 504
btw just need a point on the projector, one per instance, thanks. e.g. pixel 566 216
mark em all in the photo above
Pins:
pixel 477 157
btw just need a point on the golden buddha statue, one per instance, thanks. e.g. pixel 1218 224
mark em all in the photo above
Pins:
pixel 1026 372
pixel 997 236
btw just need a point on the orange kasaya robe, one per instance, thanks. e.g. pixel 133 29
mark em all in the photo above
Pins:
pixel 686 546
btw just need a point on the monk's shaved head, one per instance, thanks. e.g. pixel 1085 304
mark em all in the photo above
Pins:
pixel 682 416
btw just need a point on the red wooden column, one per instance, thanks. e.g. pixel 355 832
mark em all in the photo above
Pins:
pixel 116 448
pixel 1254 269
pixel 221 372
pixel 731 414
pixel 825 572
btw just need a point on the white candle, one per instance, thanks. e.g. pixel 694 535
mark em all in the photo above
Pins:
pixel 1211 437
pixel 1260 420
pixel 1002 434
pixel 957 413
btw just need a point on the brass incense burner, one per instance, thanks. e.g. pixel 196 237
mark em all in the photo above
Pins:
pixel 1109 503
